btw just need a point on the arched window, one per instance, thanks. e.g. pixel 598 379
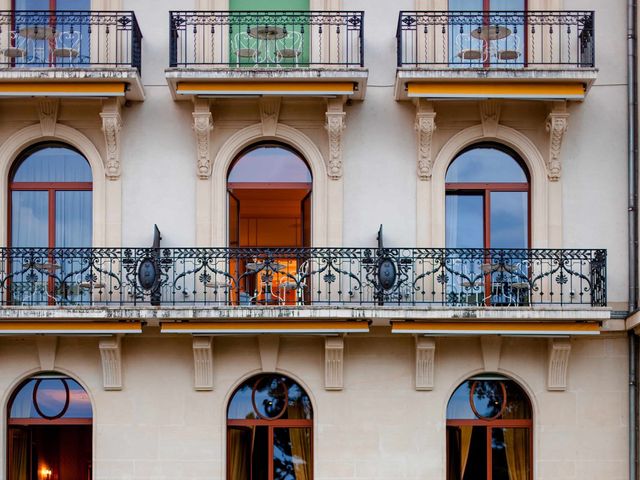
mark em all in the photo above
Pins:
pixel 489 431
pixel 270 430
pixel 50 206
pixel 49 430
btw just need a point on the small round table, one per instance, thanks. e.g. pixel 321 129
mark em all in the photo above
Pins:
pixel 40 32
pixel 267 32
pixel 490 32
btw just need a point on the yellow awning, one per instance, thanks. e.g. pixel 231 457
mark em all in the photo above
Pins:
pixel 265 88
pixel 62 89
pixel 515 90
pixel 496 328
pixel 69 328
pixel 249 328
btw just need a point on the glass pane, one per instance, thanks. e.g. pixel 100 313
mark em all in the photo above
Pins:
pixel 511 5
pixel 510 449
pixel 29 219
pixel 270 397
pixel 73 4
pixel 53 164
pixel 32 4
pixel 466 453
pixel 489 400
pixel 73 219
pixel 51 397
pixel 465 5
pixel 270 165
pixel 235 5
pixel 464 221
pixel 292 454
pixel 509 220
pixel 485 165
pixel 239 447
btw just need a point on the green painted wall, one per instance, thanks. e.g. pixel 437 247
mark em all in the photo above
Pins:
pixel 235 5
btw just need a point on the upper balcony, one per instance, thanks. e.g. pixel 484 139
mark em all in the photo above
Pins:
pixel 495 54
pixel 245 53
pixel 70 54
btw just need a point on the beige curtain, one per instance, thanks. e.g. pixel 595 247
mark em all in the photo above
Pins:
pixel 465 446
pixel 516 442
pixel 18 453
pixel 239 452
pixel 301 450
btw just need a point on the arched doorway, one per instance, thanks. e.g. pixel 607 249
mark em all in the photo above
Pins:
pixel 489 430
pixel 50 207
pixel 49 434
pixel 269 196
pixel 270 430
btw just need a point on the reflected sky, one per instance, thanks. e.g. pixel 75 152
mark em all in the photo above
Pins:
pixel 485 165
pixel 270 165
pixel 477 5
pixel 51 398
pixel 53 164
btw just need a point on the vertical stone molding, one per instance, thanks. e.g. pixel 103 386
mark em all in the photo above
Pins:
pixel 202 126
pixel 491 346
pixel 111 357
pixel 269 346
pixel 269 114
pixel 490 117
pixel 557 124
pixel 111 127
pixel 335 127
pixel 203 363
pixel 333 363
pixel 425 126
pixel 47 348
pixel 425 363
pixel 48 114
pixel 558 364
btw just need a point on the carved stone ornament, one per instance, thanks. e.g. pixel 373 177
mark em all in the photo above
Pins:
pixel 202 126
pixel 558 364
pixel 111 356
pixel 425 363
pixel 425 126
pixel 490 117
pixel 203 363
pixel 48 114
pixel 333 363
pixel 335 127
pixel 269 114
pixel 557 124
pixel 111 127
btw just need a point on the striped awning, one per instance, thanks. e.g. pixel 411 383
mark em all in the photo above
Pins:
pixel 223 89
pixel 496 328
pixel 69 328
pixel 252 328
pixel 510 90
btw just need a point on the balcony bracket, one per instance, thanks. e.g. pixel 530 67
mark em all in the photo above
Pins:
pixel 269 114
pixel 335 127
pixel 556 124
pixel 202 126
pixel 111 127
pixel 490 117
pixel 48 113
pixel 334 363
pixel 425 126
pixel 558 364
pixel 491 346
pixel 425 363
pixel 203 363
pixel 47 348
pixel 111 357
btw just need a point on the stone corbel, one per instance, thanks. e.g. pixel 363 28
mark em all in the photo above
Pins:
pixel 111 357
pixel 335 127
pixel 558 364
pixel 425 363
pixel 111 127
pixel 47 348
pixel 490 117
pixel 203 363
pixel 269 346
pixel 269 114
pixel 425 126
pixel 556 124
pixel 491 346
pixel 202 126
pixel 333 363
pixel 48 114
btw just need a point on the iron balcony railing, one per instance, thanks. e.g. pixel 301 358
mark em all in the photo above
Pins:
pixel 302 276
pixel 266 39
pixel 70 39
pixel 496 39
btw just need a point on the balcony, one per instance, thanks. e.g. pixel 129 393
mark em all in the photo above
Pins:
pixel 521 55
pixel 70 54
pixel 225 54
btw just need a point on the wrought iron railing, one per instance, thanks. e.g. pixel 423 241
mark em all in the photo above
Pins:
pixel 496 39
pixel 302 276
pixel 266 39
pixel 69 39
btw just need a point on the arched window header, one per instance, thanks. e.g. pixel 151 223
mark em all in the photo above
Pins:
pixel 487 163
pixel 51 162
pixel 269 163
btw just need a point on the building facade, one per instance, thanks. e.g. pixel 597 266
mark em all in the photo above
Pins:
pixel 314 239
